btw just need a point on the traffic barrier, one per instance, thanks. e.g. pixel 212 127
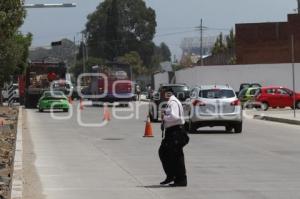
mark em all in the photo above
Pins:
pixel 148 129
pixel 81 104
pixel 11 94
pixel 106 113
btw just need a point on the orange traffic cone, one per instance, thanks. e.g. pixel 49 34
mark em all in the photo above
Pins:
pixel 148 129
pixel 81 104
pixel 106 114
pixel 70 100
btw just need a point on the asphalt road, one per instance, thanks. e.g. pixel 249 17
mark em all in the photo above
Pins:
pixel 69 161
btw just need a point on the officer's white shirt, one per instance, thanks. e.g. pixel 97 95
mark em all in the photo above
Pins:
pixel 174 113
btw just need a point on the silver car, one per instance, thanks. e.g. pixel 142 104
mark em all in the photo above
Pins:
pixel 213 105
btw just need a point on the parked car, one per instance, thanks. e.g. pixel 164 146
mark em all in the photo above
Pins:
pixel 160 98
pixel 276 97
pixel 249 85
pixel 213 105
pixel 53 100
pixel 247 95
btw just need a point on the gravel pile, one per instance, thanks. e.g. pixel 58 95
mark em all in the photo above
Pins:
pixel 8 129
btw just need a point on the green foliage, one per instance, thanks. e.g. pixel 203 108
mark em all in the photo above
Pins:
pixel 13 46
pixel 12 15
pixel 77 69
pixel 165 52
pixel 118 27
pixel 13 56
pixel 230 40
pixel 220 47
pixel 134 60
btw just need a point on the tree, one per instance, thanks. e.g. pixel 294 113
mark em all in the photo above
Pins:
pixel 12 15
pixel 229 46
pixel 165 52
pixel 13 45
pixel 77 69
pixel 118 27
pixel 219 46
pixel 134 60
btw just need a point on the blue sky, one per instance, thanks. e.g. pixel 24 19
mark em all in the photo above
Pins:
pixel 177 17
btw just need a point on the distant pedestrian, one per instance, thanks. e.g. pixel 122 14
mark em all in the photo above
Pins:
pixel 174 139
pixel 138 92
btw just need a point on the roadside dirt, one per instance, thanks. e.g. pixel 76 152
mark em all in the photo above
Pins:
pixel 8 129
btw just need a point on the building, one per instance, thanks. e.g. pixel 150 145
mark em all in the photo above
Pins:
pixel 259 43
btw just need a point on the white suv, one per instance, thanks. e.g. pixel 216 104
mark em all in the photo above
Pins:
pixel 213 105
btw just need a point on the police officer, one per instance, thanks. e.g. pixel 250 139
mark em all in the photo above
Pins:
pixel 171 149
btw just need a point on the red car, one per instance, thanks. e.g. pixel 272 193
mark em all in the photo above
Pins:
pixel 276 96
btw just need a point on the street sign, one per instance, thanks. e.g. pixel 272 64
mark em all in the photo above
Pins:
pixel 56 43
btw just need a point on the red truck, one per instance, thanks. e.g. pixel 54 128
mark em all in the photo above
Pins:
pixel 114 85
pixel 37 79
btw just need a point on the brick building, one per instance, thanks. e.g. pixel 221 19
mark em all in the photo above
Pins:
pixel 259 43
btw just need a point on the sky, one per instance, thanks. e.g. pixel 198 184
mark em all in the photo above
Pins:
pixel 176 19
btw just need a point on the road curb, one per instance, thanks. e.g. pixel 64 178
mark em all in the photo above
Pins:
pixel 277 119
pixel 17 178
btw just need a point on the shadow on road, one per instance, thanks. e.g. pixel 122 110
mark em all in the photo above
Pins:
pixel 211 132
pixel 155 186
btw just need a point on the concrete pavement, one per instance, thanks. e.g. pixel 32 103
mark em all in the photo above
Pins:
pixel 64 160
pixel 277 115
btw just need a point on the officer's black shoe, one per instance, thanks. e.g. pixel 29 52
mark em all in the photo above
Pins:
pixel 179 184
pixel 167 181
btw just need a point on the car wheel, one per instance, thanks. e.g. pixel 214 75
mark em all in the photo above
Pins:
pixel 192 127
pixel 151 115
pixel 229 129
pixel 264 106
pixel 298 105
pixel 238 128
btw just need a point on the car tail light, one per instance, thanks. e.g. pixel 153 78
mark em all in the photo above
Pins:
pixel 198 103
pixel 235 103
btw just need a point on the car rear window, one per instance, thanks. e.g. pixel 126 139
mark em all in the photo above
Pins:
pixel 243 92
pixel 177 89
pixel 54 94
pixel 216 94
pixel 181 92
pixel 253 91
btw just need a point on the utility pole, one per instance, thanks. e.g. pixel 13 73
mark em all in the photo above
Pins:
pixel 201 42
pixel 201 29
pixel 83 53
pixel 298 6
pixel 293 71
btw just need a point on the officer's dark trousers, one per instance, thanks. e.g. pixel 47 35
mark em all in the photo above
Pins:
pixel 172 156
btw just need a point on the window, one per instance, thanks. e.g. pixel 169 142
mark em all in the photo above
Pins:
pixel 243 93
pixel 282 92
pixel 193 93
pixel 252 91
pixel 271 91
pixel 216 94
